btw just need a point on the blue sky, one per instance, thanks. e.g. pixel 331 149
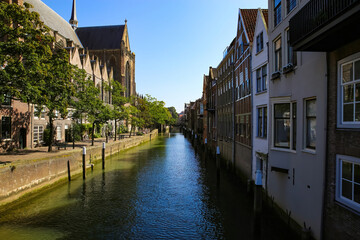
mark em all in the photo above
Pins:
pixel 175 41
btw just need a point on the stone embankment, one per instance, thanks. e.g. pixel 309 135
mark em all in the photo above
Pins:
pixel 24 176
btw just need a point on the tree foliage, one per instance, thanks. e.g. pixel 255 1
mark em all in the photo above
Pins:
pixel 25 50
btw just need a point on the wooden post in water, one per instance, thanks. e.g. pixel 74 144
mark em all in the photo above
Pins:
pixel 103 156
pixel 218 163
pixel 83 161
pixel 206 153
pixel 68 167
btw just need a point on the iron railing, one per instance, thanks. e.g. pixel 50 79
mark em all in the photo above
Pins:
pixel 316 14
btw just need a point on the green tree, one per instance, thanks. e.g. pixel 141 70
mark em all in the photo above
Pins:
pixel 120 111
pixel 56 90
pixel 174 116
pixel 25 50
pixel 87 103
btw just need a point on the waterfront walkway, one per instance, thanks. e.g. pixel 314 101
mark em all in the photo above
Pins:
pixel 24 155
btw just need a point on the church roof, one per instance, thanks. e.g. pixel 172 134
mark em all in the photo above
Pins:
pixel 102 37
pixel 53 20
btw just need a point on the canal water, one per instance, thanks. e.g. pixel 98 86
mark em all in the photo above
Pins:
pixel 160 190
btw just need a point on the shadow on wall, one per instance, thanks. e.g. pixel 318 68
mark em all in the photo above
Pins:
pixel 19 129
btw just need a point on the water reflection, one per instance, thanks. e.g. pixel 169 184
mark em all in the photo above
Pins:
pixel 161 189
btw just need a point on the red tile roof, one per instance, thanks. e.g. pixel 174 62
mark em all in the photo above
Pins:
pixel 249 20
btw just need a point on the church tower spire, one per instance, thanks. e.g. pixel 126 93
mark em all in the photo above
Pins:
pixel 73 20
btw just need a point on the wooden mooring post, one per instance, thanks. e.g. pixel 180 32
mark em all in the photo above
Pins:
pixel 68 167
pixel 83 161
pixel 103 156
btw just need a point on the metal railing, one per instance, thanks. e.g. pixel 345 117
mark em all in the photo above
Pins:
pixel 314 15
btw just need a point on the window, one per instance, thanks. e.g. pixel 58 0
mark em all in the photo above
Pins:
pixel 310 137
pixel 38 133
pixel 262 122
pixel 58 133
pixel 277 12
pixel 242 126
pixel 6 127
pixel 261 82
pixel 291 54
pixel 290 5
pixel 348 181
pixel 7 100
pixel 39 112
pixel 277 47
pixel 349 95
pixel 285 125
pixel 259 42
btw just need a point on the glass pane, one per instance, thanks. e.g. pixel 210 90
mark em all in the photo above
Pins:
pixel 348 93
pixel 311 108
pixel 347 170
pixel 282 110
pixel 278 44
pixel 348 112
pixel 357 173
pixel 282 133
pixel 311 133
pixel 347 72
pixel 357 70
pixel 346 189
pixel 357 193
pixel 357 92
pixel 357 112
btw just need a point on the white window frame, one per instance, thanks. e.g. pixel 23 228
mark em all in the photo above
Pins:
pixel 37 132
pixel 291 147
pixel 58 133
pixel 340 124
pixel 350 203
pixel 312 150
pixel 264 119
pixel 280 51
pixel 263 82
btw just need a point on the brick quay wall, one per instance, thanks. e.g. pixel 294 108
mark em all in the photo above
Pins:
pixel 22 177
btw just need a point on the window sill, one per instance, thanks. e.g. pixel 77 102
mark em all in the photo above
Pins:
pixel 283 150
pixel 348 125
pixel 275 75
pixel 261 138
pixel 262 92
pixel 259 52
pixel 310 151
pixel 6 106
pixel 288 68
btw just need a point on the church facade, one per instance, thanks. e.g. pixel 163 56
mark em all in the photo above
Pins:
pixel 102 61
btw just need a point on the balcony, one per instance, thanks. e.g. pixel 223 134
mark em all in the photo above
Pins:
pixel 324 25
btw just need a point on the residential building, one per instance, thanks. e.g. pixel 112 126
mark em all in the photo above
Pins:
pixel 331 27
pixel 225 105
pixel 243 96
pixel 205 112
pixel 297 110
pixel 260 105
pixel 211 108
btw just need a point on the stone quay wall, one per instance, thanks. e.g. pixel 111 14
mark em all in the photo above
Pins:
pixel 26 176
